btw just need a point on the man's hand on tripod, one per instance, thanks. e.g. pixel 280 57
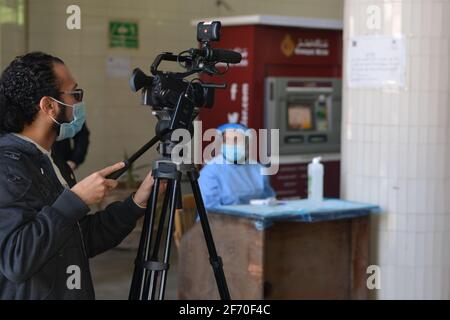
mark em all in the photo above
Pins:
pixel 94 188
pixel 143 193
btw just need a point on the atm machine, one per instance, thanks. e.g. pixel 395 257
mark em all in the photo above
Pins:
pixel 289 79
pixel 307 112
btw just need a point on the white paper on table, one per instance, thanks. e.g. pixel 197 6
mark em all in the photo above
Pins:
pixel 376 61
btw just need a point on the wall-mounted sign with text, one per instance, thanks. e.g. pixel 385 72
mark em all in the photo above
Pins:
pixel 376 61
pixel 304 46
pixel 123 34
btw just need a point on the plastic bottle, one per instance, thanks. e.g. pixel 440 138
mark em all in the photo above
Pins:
pixel 315 181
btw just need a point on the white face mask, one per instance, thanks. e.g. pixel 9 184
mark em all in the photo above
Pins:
pixel 69 130
pixel 234 153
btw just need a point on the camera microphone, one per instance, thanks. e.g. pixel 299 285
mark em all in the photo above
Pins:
pixel 218 55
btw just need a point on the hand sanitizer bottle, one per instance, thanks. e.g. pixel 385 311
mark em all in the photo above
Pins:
pixel 315 181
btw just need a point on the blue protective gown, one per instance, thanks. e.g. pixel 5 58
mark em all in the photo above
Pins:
pixel 228 183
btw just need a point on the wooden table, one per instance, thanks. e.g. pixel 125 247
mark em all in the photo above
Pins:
pixel 314 258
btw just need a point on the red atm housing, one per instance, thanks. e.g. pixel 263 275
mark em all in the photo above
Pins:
pixel 274 46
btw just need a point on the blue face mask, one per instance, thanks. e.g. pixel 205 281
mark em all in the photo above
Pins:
pixel 69 130
pixel 233 153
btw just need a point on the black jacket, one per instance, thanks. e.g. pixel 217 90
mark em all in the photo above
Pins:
pixel 74 149
pixel 44 228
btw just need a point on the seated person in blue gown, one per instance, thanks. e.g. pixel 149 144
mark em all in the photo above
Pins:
pixel 223 181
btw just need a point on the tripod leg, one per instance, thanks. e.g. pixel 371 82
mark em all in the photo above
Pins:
pixel 152 267
pixel 145 278
pixel 214 259
pixel 154 253
pixel 161 222
pixel 144 254
pixel 138 265
pixel 173 206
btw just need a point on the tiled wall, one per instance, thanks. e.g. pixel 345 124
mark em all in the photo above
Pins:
pixel 117 121
pixel 12 30
pixel 395 150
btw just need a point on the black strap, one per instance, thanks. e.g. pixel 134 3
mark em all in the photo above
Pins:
pixel 216 263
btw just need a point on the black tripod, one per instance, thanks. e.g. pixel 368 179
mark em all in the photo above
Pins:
pixel 150 273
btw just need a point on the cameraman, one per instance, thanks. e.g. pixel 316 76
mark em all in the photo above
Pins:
pixel 46 235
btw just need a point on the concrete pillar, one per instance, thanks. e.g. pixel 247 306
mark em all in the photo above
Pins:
pixel 396 148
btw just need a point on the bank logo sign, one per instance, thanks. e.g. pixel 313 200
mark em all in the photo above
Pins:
pixel 304 47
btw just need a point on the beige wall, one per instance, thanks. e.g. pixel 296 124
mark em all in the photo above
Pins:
pixel 117 121
pixel 12 30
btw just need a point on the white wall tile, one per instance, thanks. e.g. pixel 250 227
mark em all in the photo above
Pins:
pixel 414 152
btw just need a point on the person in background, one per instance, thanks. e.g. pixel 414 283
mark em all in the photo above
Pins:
pixel 73 151
pixel 228 179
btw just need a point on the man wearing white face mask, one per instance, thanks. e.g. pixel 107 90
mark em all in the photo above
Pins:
pixel 46 235
pixel 229 178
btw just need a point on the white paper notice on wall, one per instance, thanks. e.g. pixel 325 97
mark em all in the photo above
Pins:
pixel 118 67
pixel 376 61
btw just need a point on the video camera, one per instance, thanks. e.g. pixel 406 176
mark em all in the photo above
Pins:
pixel 175 100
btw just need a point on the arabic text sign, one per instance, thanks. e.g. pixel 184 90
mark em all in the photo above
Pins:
pixel 312 47
pixel 304 47
pixel 375 61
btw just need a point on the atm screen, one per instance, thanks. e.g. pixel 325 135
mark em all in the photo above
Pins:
pixel 300 117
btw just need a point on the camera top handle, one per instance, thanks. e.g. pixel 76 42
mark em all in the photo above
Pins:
pixel 169 56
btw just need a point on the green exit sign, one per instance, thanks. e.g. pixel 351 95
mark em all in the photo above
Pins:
pixel 123 34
